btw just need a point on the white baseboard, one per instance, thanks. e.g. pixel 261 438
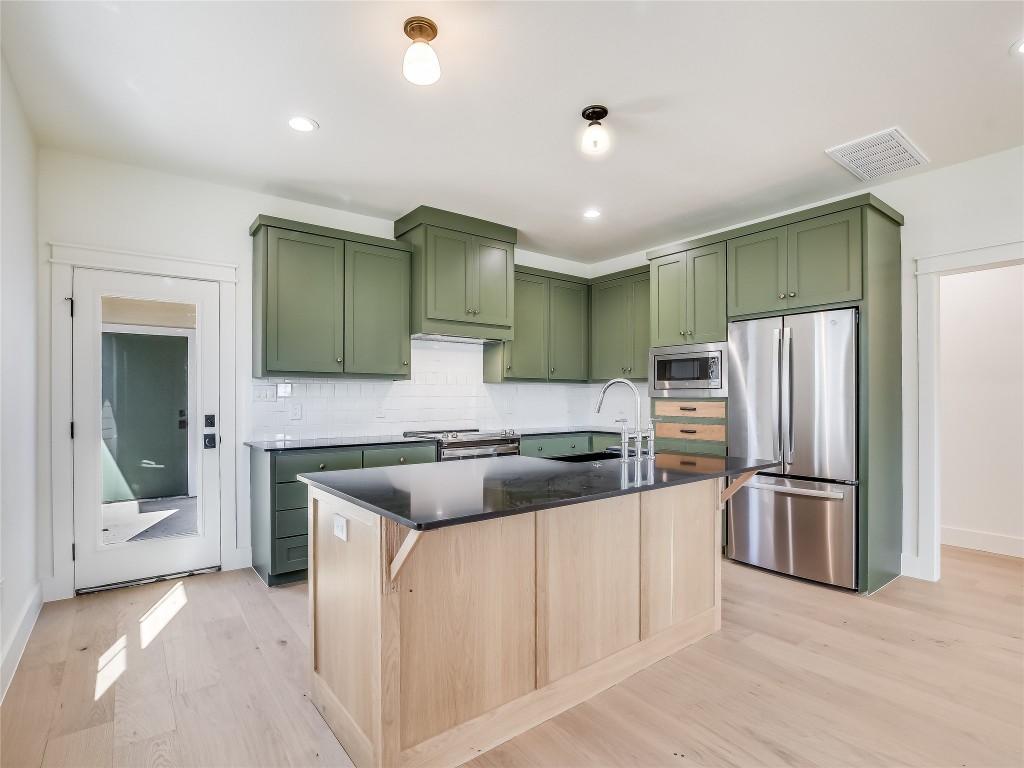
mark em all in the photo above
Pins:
pixel 12 653
pixel 983 540
pixel 233 559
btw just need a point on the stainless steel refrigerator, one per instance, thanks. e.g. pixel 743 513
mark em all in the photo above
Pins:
pixel 793 396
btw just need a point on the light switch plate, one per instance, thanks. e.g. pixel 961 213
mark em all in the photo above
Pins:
pixel 341 527
pixel 295 411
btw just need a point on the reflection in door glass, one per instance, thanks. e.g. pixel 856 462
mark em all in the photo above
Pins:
pixel 148 420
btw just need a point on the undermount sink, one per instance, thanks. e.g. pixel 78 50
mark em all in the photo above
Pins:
pixel 596 456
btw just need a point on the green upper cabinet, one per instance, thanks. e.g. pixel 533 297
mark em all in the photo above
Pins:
pixel 376 310
pixel 526 357
pixel 705 294
pixel 620 327
pixel 668 300
pixel 569 329
pixel 688 292
pixel 462 274
pixel 757 272
pixel 825 260
pixel 450 274
pixel 305 302
pixel 806 264
pixel 328 302
pixel 552 322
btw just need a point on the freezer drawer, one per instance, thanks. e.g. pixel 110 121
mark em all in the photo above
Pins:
pixel 802 528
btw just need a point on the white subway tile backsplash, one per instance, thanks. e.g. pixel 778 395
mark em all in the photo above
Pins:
pixel 446 391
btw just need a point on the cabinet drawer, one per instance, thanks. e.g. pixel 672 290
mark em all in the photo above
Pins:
pixel 703 409
pixel 688 462
pixel 290 522
pixel 290 554
pixel 600 441
pixel 683 431
pixel 290 495
pixel 407 454
pixel 560 445
pixel 291 464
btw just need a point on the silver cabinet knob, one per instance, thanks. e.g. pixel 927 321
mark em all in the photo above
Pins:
pixel 622 369
pixel 405 362
pixel 792 294
pixel 322 466
pixel 552 370
pixel 339 359
pixel 540 448
pixel 573 445
pixel 683 333
pixel 782 295
pixel 629 370
pixel 401 460
pixel 689 333
pixel 508 367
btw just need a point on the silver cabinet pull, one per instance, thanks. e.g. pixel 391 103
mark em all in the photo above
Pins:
pixel 573 445
pixel 339 359
pixel 322 466
pixel 782 295
pixel 540 448
pixel 629 370
pixel 508 367
pixel 405 362
pixel 552 370
pixel 792 294
pixel 683 333
pixel 401 460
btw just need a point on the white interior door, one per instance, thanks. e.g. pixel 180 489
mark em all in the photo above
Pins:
pixel 146 469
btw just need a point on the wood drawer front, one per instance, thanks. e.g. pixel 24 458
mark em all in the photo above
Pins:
pixel 289 465
pixel 290 495
pixel 408 454
pixel 683 431
pixel 290 522
pixel 689 463
pixel 290 554
pixel 701 409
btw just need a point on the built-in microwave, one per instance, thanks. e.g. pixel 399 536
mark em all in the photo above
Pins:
pixel 689 370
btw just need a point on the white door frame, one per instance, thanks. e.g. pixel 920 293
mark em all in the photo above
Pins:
pixel 929 270
pixel 64 257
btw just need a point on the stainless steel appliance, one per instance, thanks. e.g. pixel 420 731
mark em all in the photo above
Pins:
pixel 793 396
pixel 453 445
pixel 688 370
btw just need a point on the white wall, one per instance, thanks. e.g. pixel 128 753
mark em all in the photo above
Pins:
pixel 20 596
pixel 87 201
pixel 981 401
pixel 971 205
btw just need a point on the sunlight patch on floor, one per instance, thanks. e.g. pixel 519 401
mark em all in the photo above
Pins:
pixel 160 615
pixel 111 665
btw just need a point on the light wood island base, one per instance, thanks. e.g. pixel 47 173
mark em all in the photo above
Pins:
pixel 491 628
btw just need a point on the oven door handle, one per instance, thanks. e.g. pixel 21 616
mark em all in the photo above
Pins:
pixel 507 449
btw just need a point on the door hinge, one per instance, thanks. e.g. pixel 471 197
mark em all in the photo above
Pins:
pixel 71 304
pixel 72 551
pixel 72 430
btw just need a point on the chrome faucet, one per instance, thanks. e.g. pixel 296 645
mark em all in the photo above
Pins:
pixel 638 434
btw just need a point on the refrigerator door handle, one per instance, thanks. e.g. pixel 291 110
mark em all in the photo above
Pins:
pixel 796 491
pixel 776 395
pixel 787 393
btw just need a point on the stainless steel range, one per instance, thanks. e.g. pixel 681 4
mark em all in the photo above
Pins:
pixel 453 445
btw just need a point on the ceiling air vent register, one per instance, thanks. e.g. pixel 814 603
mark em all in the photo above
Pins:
pixel 877 155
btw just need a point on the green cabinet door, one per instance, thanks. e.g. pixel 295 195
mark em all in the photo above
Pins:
pixel 668 301
pixel 450 275
pixel 640 316
pixel 705 294
pixel 376 310
pixel 491 282
pixel 757 273
pixel 609 329
pixel 568 331
pixel 305 302
pixel 825 260
pixel 526 356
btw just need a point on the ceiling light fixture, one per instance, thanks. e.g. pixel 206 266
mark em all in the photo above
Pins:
pixel 595 138
pixel 421 66
pixel 304 124
pixel 591 213
pixel 1020 48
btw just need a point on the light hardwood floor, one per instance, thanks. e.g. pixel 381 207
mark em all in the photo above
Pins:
pixel 918 674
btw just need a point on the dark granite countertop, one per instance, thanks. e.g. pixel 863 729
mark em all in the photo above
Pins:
pixel 532 431
pixel 334 442
pixel 427 496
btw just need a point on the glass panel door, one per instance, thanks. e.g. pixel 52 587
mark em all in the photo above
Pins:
pixel 145 382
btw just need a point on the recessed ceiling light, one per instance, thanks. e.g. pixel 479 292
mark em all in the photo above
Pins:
pixel 591 213
pixel 304 124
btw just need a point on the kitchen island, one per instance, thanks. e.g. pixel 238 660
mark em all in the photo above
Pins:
pixel 455 605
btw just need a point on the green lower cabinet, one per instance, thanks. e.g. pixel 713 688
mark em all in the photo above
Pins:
pixel 546 446
pixel 406 454
pixel 278 499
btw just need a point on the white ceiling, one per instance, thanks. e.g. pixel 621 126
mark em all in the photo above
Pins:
pixel 720 111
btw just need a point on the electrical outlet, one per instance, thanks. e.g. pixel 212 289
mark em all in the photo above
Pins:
pixel 295 411
pixel 341 527
pixel 380 411
pixel 508 407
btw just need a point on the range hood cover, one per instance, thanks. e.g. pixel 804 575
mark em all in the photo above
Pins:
pixel 453 339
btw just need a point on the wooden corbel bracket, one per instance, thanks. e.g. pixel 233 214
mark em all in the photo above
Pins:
pixel 411 540
pixel 736 485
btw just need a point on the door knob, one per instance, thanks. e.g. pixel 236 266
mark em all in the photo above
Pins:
pixel 792 294
pixel 782 295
